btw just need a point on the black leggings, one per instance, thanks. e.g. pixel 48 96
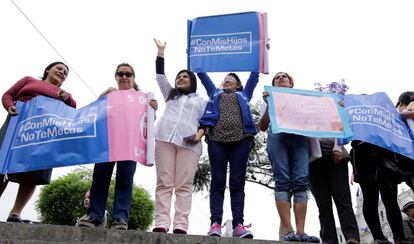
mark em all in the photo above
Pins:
pixel 389 193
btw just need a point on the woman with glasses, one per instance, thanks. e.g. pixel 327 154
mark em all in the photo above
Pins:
pixel 177 146
pixel 230 132
pixel 24 90
pixel 288 154
pixel 102 172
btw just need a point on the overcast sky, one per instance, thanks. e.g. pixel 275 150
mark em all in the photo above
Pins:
pixel 367 43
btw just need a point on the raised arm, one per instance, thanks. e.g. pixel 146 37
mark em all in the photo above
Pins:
pixel 162 80
pixel 251 85
pixel 159 63
pixel 207 83
pixel 161 47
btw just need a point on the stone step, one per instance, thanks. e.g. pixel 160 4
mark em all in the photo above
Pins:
pixel 16 233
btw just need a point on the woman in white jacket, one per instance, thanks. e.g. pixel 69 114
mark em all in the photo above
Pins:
pixel 177 146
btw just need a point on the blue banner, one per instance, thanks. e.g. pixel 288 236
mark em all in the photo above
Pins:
pixel 45 129
pixel 374 119
pixel 232 42
pixel 47 133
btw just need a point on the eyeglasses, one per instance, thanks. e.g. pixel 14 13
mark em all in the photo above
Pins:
pixel 122 74
pixel 281 76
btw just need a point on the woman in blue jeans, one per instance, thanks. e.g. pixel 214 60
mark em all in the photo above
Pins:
pixel 102 172
pixel 229 128
pixel 288 154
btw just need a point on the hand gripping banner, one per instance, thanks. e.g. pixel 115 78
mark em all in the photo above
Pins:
pixel 307 113
pixel 374 119
pixel 47 133
pixel 231 42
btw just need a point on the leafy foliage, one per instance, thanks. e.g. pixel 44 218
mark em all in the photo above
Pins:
pixel 202 176
pixel 61 202
pixel 141 214
pixel 259 169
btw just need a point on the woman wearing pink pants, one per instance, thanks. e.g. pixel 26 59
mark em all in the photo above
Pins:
pixel 177 146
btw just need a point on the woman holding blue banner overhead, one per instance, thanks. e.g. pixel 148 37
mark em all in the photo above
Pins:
pixel 229 131
pixel 177 146
pixel 102 172
pixel 24 90
pixel 288 154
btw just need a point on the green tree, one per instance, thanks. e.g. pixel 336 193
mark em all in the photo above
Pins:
pixel 61 202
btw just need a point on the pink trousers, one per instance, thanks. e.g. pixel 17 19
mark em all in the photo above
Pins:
pixel 176 167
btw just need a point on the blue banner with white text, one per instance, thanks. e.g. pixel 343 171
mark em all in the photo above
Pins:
pixel 374 119
pixel 46 133
pixel 232 42
pixel 45 129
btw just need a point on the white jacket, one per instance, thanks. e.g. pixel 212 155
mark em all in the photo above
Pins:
pixel 180 117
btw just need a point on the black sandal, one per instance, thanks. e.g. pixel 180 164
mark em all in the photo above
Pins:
pixel 14 218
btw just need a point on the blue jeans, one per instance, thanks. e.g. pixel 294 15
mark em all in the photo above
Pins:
pixel 102 173
pixel 288 154
pixel 220 154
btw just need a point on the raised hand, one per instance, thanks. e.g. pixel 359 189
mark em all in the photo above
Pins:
pixel 161 47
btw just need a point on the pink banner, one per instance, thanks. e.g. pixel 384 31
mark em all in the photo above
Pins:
pixel 311 113
pixel 127 128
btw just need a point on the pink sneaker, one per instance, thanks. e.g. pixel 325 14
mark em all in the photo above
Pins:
pixel 241 232
pixel 215 230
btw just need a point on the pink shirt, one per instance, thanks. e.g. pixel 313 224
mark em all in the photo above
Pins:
pixel 29 87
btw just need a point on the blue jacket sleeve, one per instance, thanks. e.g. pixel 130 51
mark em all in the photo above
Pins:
pixel 207 83
pixel 251 85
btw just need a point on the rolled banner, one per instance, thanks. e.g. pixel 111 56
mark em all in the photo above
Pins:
pixel 150 132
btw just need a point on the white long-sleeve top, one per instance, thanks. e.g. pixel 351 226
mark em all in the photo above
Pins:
pixel 180 117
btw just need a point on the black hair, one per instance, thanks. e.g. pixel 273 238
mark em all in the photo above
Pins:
pixel 239 84
pixel 176 92
pixel 289 77
pixel 135 86
pixel 405 98
pixel 45 73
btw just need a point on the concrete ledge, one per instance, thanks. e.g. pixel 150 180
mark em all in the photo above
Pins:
pixel 16 233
